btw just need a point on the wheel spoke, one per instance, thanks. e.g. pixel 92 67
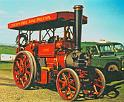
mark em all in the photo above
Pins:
pixel 24 59
pixel 61 81
pixel 17 80
pixel 100 86
pixel 26 76
pixel 69 75
pixel 67 91
pixel 22 82
pixel 71 81
pixel 27 65
pixel 95 89
pixel 63 87
pixel 72 87
pixel 64 76
pixel 18 64
pixel 98 80
pixel 21 61
pixel 16 72
pixel 28 72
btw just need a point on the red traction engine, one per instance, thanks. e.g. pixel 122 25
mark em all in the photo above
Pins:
pixel 53 57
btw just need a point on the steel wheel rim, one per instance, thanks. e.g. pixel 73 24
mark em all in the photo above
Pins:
pixel 22 70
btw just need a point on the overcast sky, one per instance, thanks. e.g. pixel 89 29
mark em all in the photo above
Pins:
pixel 105 17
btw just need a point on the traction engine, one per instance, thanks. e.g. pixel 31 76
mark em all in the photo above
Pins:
pixel 55 59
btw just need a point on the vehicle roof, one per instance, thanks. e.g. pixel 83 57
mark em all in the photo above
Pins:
pixel 52 20
pixel 98 43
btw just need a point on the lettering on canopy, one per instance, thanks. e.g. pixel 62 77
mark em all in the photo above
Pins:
pixel 34 20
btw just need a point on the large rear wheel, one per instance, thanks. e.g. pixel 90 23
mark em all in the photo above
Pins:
pixel 68 84
pixel 24 70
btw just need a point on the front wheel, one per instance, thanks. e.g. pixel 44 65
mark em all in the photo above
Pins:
pixel 68 84
pixel 99 82
pixel 93 84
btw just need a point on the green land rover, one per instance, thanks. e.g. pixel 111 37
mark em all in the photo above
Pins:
pixel 106 55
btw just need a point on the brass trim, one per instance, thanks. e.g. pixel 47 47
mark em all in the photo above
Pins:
pixel 78 7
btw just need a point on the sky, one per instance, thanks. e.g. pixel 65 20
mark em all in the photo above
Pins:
pixel 105 17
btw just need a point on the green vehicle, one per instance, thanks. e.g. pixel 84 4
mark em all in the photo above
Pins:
pixel 106 55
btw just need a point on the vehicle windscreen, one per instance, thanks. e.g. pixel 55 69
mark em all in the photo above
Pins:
pixel 105 50
pixel 117 47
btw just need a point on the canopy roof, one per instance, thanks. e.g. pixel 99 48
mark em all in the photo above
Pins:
pixel 53 20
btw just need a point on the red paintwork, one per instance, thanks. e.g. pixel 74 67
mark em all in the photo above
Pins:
pixel 34 20
pixel 53 58
pixel 45 18
pixel 29 48
pixel 44 77
pixel 51 62
pixel 46 50
pixel 61 59
pixel 59 44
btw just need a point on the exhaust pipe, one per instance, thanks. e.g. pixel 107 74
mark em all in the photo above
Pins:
pixel 78 9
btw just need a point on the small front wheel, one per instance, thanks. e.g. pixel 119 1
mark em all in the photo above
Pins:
pixel 68 84
pixel 99 83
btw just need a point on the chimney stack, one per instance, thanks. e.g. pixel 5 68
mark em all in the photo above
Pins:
pixel 78 9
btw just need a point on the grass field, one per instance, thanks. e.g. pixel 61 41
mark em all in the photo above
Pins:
pixel 5 49
pixel 6 65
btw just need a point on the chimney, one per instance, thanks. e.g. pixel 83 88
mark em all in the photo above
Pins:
pixel 77 26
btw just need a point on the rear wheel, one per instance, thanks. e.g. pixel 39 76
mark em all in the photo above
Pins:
pixel 68 84
pixel 24 70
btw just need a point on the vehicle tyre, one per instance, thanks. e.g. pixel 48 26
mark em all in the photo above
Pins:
pixel 68 84
pixel 112 67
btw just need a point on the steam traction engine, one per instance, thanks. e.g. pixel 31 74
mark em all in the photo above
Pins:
pixel 55 59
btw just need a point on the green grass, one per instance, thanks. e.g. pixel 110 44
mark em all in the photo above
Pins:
pixel 6 65
pixel 5 49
